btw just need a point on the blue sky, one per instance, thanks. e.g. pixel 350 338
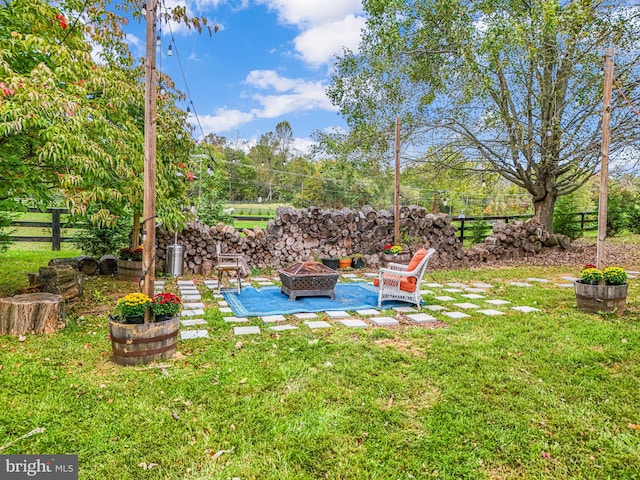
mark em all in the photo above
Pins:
pixel 270 61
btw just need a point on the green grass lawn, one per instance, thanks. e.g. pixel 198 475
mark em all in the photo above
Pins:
pixel 549 395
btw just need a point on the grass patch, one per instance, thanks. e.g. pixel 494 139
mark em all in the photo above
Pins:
pixel 546 395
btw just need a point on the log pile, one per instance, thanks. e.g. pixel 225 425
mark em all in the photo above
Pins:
pixel 510 240
pixel 300 234
pixel 63 280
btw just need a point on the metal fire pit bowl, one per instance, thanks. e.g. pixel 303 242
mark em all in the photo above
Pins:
pixel 308 279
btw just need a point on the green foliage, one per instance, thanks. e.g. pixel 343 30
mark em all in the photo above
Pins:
pixel 97 240
pixel 479 231
pixel 591 275
pixel 633 213
pixel 212 212
pixel 565 219
pixel 615 275
pixel 5 222
pixel 617 204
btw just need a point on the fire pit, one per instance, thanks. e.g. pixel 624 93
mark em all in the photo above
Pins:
pixel 308 279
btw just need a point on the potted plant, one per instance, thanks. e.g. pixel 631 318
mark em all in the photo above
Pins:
pixel 601 290
pixel 130 263
pixel 395 254
pixel 165 305
pixel 357 260
pixel 134 342
pixel 345 262
pixel 332 263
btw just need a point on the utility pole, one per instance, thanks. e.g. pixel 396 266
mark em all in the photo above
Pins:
pixel 396 199
pixel 149 209
pixel 604 167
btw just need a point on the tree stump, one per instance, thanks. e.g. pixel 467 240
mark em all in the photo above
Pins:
pixel 32 312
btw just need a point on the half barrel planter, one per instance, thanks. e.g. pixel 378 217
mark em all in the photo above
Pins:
pixel 402 258
pixel 601 298
pixel 129 270
pixel 139 344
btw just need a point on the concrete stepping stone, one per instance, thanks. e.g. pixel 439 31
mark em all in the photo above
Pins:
pixel 444 298
pixel 353 323
pixel 456 315
pixel 191 298
pixel 473 296
pixel 482 285
pixel 233 281
pixel 235 319
pixel 193 306
pixel 520 284
pixel 371 275
pixel 337 314
pixel 305 316
pixel 318 324
pixel 159 282
pixel 223 303
pixel 192 334
pixel 384 321
pixel 453 290
pixel 490 312
pixel 538 280
pixel 368 312
pixel 405 309
pixel 246 330
pixel 427 292
pixel 456 285
pixel 265 284
pixel 185 282
pixel 422 317
pixel 433 285
pixel 435 308
pixel 466 305
pixel 497 302
pixel 475 290
pixel 349 275
pixel 565 285
pixel 217 296
pixel 192 313
pixel 193 322
pixel 225 310
pixel 273 318
pixel 259 279
pixel 525 309
pixel 570 278
pixel 282 328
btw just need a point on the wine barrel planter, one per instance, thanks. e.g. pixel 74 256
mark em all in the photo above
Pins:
pixel 601 298
pixel 143 343
pixel 402 258
pixel 129 270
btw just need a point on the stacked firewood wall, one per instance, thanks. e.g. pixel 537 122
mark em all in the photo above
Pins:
pixel 312 233
pixel 510 240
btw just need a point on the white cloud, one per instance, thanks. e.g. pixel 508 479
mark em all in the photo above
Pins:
pixel 309 13
pixel 318 45
pixel 303 145
pixel 224 120
pixel 293 95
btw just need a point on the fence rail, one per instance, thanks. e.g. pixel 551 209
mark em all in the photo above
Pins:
pixel 587 220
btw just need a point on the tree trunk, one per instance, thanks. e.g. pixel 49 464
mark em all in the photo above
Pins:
pixel 543 210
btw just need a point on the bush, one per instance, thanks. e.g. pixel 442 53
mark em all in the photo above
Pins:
pixel 478 231
pixel 616 212
pixel 633 214
pixel 96 240
pixel 212 212
pixel 5 222
pixel 565 219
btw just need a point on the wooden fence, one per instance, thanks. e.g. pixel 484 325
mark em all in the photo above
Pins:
pixel 588 221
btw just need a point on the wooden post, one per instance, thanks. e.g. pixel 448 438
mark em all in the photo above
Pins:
pixel 55 229
pixel 135 235
pixel 396 200
pixel 604 167
pixel 149 209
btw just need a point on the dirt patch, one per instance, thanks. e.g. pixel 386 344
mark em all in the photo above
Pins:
pixel 404 346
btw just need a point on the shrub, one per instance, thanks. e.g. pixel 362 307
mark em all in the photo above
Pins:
pixel 133 305
pixel 564 217
pixel 5 222
pixel 96 240
pixel 212 212
pixel 478 229
pixel 616 213
pixel 615 276
pixel 591 275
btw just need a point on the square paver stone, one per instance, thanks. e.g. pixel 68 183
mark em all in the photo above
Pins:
pixel 191 298
pixel 185 282
pixel 456 284
pixel 191 334
pixel 337 314
pixel 282 328
pixel 193 322
pixel 570 278
pixel 433 285
pixel 223 303
pixel 235 319
pixel 192 306
pixel 475 290
pixel 466 305
pixel 456 314
pixel 525 309
pixel 273 318
pixel 368 312
pixel 218 296
pixel 405 309
pixel 490 312
pixel 427 292
pixel 520 284
pixel 422 317
pixel 444 298
pixel 371 275
pixel 384 321
pixel 246 330
pixel 192 313
pixel 453 290
pixel 318 324
pixel 482 285
pixel 497 302
pixel 565 285
pixel 226 310
pixel 473 296
pixel 353 323
pixel 266 283
pixel 436 308
pixel 305 316
pixel 538 280
pixel 349 275
pixel 259 279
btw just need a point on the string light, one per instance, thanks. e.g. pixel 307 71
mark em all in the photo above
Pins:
pixel 158 41
pixel 162 90
pixel 169 50
pixel 144 9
